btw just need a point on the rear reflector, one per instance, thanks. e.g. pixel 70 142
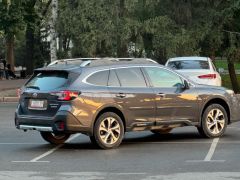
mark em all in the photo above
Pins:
pixel 60 125
pixel 65 95
pixel 208 76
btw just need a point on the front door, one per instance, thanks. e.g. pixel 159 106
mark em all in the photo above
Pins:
pixel 173 102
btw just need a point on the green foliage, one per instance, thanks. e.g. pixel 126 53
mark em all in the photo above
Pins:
pixel 158 29
pixel 12 16
pixel 154 28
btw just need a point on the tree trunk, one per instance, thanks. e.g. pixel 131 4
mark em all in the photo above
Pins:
pixel 10 51
pixel 233 77
pixel 121 46
pixel 53 35
pixel 29 36
pixel 29 61
pixel 148 44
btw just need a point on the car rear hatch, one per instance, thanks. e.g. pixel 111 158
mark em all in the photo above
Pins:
pixel 198 71
pixel 45 92
pixel 199 76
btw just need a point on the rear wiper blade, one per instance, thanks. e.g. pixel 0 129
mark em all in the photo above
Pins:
pixel 33 87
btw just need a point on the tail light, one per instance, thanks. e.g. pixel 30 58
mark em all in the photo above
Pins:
pixel 208 76
pixel 65 95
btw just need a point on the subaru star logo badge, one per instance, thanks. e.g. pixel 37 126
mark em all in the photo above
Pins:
pixel 35 94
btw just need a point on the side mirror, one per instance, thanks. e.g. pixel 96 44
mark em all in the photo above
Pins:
pixel 185 85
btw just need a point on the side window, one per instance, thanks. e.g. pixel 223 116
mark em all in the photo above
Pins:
pixel 131 77
pixel 99 78
pixel 113 79
pixel 163 78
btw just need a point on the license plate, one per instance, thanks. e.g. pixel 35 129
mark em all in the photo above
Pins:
pixel 37 104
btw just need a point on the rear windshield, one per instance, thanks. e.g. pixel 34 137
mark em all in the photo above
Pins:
pixel 48 80
pixel 189 64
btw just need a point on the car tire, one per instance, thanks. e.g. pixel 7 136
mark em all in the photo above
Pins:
pixel 93 140
pixel 201 132
pixel 108 131
pixel 214 121
pixel 55 138
pixel 161 131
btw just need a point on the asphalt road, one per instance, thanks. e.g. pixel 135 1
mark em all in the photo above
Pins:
pixel 182 154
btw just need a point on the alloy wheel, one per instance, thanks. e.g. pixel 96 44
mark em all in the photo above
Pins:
pixel 109 130
pixel 215 121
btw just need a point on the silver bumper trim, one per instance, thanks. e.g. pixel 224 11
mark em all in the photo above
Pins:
pixel 38 128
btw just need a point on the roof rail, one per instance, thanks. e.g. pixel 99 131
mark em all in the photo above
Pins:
pixel 72 59
pixel 88 61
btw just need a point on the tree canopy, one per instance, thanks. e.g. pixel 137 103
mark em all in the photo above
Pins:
pixel 157 29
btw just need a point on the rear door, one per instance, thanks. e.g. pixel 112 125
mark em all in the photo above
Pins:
pixel 172 101
pixel 129 90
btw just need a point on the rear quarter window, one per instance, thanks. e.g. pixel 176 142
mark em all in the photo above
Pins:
pixel 48 80
pixel 99 78
pixel 189 64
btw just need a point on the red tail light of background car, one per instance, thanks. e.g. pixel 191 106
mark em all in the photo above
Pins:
pixel 208 76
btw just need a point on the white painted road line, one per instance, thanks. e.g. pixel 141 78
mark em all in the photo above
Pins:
pixel 36 159
pixel 166 142
pixel 30 161
pixel 143 142
pixel 53 149
pixel 210 153
pixel 22 143
pixel 46 153
pixel 211 150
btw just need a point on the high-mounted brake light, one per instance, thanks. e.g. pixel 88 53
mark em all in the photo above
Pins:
pixel 65 95
pixel 208 76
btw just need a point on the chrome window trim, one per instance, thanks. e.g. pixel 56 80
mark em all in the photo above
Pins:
pixel 138 66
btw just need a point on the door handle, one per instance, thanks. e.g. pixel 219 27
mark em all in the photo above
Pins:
pixel 161 95
pixel 121 95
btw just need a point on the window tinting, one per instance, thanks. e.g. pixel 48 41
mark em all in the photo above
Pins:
pixel 189 64
pixel 131 77
pixel 48 80
pixel 113 80
pixel 99 78
pixel 163 78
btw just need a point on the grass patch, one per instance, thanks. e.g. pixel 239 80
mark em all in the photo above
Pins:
pixel 223 64
pixel 226 82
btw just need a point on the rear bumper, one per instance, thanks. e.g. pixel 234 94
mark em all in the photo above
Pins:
pixel 51 124
pixel 38 128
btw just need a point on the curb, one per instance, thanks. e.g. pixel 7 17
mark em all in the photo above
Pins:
pixel 9 99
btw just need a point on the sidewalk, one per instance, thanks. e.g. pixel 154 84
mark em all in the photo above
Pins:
pixel 11 84
pixel 8 89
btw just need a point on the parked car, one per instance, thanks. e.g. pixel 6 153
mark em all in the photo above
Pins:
pixel 106 98
pixel 199 69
